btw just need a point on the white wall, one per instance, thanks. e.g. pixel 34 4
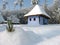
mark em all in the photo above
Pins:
pixel 32 22
pixel 38 21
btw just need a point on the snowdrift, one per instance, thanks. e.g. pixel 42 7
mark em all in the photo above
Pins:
pixel 30 35
pixel 52 41
pixel 18 37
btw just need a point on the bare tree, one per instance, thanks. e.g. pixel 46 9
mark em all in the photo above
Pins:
pixel 20 2
pixel 4 4
pixel 15 4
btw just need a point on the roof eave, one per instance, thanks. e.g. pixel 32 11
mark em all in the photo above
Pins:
pixel 38 15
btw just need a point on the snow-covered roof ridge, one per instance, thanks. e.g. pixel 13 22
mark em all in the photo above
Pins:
pixel 37 10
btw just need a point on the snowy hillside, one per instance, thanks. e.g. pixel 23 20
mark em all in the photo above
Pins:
pixel 30 35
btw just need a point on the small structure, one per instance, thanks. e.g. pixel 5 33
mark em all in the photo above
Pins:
pixel 37 16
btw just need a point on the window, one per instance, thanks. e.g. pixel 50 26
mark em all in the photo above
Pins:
pixel 30 19
pixel 34 19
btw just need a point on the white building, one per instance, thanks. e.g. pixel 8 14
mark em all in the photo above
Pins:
pixel 37 16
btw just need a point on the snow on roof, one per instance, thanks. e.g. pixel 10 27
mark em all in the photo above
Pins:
pixel 37 10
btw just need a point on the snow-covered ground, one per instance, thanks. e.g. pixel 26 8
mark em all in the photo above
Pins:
pixel 30 35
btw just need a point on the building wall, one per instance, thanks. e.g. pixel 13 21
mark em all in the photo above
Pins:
pixel 45 21
pixel 38 20
pixel 41 20
pixel 32 22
